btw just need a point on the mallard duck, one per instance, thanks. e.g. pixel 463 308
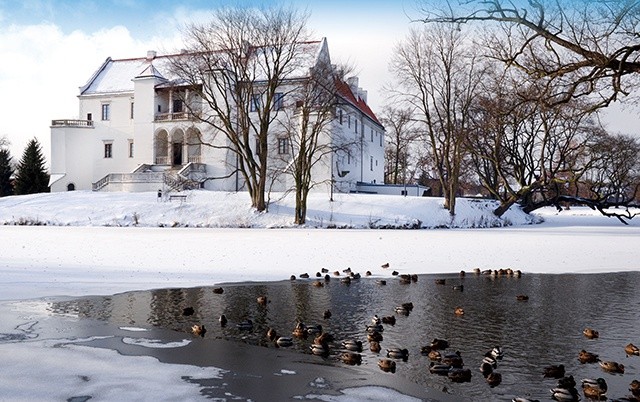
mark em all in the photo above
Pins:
pixel 486 369
pixel 517 273
pixel 440 281
pixel 632 349
pixel 318 274
pixel 375 320
pixel 314 329
pixel 439 368
pixel 476 271
pixel 374 328
pixel 462 274
pixel 356 275
pixel 374 336
pixel 414 277
pixel 612 367
pixel 351 358
pixel 319 349
pixel 346 280
pixel 284 341
pixel 565 394
pixel 431 353
pixel 304 276
pixel 218 291
pixel 453 359
pixel 497 352
pixel 198 330
pixel 390 320
pixel 439 344
pixel 187 311
pixel 318 284
pixel 323 338
pixel 324 270
pixel 459 375
pixel 591 333
pixel 374 346
pixel 458 287
pixel 262 300
pixel 401 310
pixel 368 273
pixel 489 359
pixel 347 270
pixel 566 382
pixel 397 353
pixel 522 297
pixel 494 379
pixel 336 273
pixel 594 388
pixel 223 320
pixel 245 325
pixel 352 345
pixel 387 365
pixel 381 282
pixel 292 278
pixel 327 278
pixel 385 265
pixel 587 357
pixel 408 306
pixel 634 387
pixel 519 399
pixel 300 330
pixel 395 273
pixel 327 314
pixel 554 371
pixel 458 311
pixel 271 334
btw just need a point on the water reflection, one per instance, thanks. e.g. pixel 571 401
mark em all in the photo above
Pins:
pixel 546 329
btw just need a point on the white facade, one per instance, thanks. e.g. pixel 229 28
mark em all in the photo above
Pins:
pixel 133 132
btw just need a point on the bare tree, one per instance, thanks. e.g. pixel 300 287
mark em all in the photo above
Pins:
pixel 237 64
pixel 402 133
pixel 583 48
pixel 438 73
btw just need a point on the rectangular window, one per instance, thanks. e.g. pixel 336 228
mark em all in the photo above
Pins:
pixel 177 106
pixel 130 148
pixel 371 135
pixel 131 111
pixel 348 157
pixel 340 115
pixel 108 148
pixel 105 111
pixel 159 108
pixel 278 101
pixel 356 126
pixel 380 134
pixel 349 121
pixel 256 101
pixel 283 146
pixel 89 116
pixel 257 152
pixel 372 163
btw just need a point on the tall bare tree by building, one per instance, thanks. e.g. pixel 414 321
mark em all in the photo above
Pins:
pixel 438 72
pixel 402 133
pixel 237 64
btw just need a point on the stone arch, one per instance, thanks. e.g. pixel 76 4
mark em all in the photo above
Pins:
pixel 161 147
pixel 194 145
pixel 177 147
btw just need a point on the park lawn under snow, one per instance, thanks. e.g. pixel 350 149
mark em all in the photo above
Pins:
pixel 233 210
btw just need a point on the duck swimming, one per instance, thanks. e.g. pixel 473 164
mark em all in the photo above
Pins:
pixel 587 357
pixel 453 359
pixel 612 367
pixel 223 320
pixel 632 349
pixel 391 320
pixel 439 368
pixel 199 330
pixel 351 358
pixel 439 344
pixel 497 353
pixel 594 388
pixel 284 341
pixel 634 387
pixel 554 371
pixel 565 394
pixel 374 346
pixel 591 333
pixel 459 375
pixel 352 345
pixel 245 325
pixel 387 365
pixel 458 311
pixel 320 349
pixel 397 353
pixel 494 379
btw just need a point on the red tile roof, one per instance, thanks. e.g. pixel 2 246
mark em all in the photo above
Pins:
pixel 347 94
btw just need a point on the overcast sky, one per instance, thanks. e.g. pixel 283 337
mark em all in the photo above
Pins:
pixel 49 48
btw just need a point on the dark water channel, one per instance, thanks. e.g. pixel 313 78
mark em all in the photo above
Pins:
pixel 546 329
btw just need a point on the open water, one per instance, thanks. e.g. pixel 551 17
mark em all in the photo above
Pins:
pixel 545 330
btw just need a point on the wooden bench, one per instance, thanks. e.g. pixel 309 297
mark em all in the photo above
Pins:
pixel 181 197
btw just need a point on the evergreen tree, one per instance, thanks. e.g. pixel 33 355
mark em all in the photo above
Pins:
pixel 5 173
pixel 31 175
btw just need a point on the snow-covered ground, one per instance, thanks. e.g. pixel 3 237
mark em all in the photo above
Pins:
pixel 103 243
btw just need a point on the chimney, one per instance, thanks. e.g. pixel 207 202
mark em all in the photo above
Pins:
pixel 362 94
pixel 151 54
pixel 353 85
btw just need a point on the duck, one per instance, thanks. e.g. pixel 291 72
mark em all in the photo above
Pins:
pixel 271 334
pixel 245 325
pixel 319 349
pixel 314 329
pixel 486 369
pixel 199 330
pixel 634 387
pixel 300 330
pixel 554 371
pixel 352 345
pixel 324 270
pixel 318 284
pixel 323 338
pixel 587 357
pixel 374 328
pixel 395 273
pixel 594 388
pixel 346 280
pixel 459 375
pixel 218 291
pixel 520 399
pixel 374 346
pixel 565 394
pixel 489 359
pixel 284 341
pixel 566 382
pixel 494 379
pixel 223 320
pixel 497 352
pixel 374 336
pixel 262 300
pixel 368 273
pixel 387 365
pixel 397 353
pixel 632 349
pixel 476 271
pixel 414 277
pixel 439 368
pixel 401 310
pixel 612 367
pixel 292 278
pixel 187 311
pixel 327 314
pixel 381 282
pixel 439 344
pixel 351 358
pixel 440 281
pixel 458 287
pixel 385 265
pixel 408 306
pixel 432 354
pixel 375 320
pixel 522 297
pixel 458 311
pixel 591 333
pixel 453 359
pixel 390 320
pixel 304 276
pixel 462 274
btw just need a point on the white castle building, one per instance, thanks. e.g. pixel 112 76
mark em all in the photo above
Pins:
pixel 134 133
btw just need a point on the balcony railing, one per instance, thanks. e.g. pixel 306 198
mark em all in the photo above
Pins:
pixel 174 116
pixel 72 123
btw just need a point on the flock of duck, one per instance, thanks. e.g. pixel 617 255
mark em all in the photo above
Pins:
pixel 449 364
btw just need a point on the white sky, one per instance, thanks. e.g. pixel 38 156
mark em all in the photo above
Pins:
pixel 50 48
